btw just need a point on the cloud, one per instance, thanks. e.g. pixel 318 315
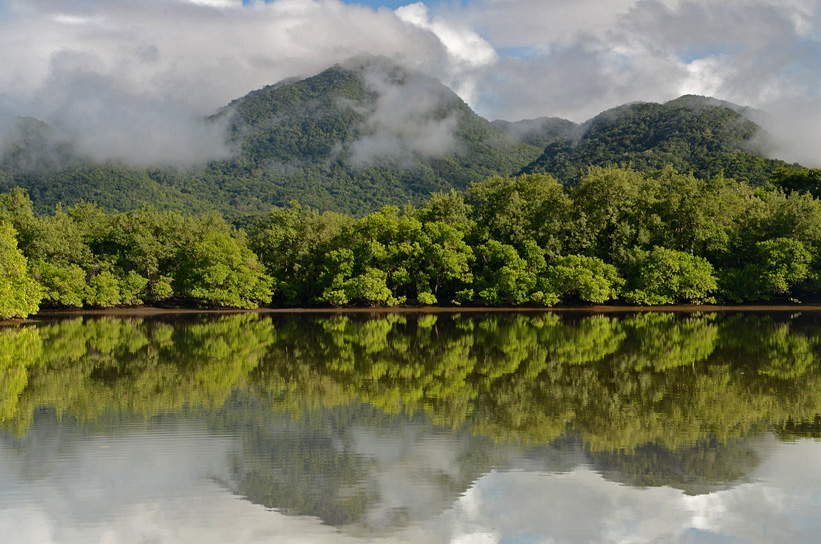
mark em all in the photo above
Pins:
pixel 410 117
pixel 133 79
pixel 465 48
pixel 178 60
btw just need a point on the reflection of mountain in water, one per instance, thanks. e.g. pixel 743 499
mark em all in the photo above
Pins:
pixel 374 423
pixel 704 467
pixel 355 466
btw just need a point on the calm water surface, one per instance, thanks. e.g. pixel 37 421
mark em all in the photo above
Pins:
pixel 479 428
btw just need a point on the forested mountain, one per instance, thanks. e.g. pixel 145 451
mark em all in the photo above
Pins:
pixel 353 138
pixel 542 131
pixel 694 134
pixel 37 158
pixel 360 135
pixel 368 133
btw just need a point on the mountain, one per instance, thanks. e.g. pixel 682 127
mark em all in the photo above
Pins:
pixel 361 135
pixel 370 132
pixel 34 156
pixel 540 132
pixel 695 134
pixel 357 136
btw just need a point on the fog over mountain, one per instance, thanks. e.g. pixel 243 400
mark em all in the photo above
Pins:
pixel 131 80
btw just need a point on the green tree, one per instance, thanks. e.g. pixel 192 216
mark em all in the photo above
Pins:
pixel 503 276
pixel 612 212
pixel 217 268
pixel 20 294
pixel 588 278
pixel 775 268
pixel 527 207
pixel 793 179
pixel 666 276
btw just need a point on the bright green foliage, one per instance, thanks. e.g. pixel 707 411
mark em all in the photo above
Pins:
pixel 20 295
pixel 218 268
pixel 588 278
pixel 143 246
pixel 527 207
pixel 107 290
pixel 782 263
pixel 104 290
pixel 450 208
pixel 444 263
pixel 506 278
pixel 63 285
pixel 370 286
pixel 337 272
pixel 511 241
pixel 290 243
pixel 421 261
pixel 666 276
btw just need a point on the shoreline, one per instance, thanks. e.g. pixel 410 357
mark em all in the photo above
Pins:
pixel 593 309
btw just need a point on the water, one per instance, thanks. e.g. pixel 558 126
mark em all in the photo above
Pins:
pixel 497 428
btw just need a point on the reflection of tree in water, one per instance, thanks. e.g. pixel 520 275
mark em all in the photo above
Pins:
pixel 792 430
pixel 652 398
pixel 90 367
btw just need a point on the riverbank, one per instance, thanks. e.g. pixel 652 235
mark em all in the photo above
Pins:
pixel 679 308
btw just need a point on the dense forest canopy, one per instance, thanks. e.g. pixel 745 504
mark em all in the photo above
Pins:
pixel 619 235
pixel 353 138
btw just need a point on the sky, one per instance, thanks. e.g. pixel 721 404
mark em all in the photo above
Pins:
pixel 97 66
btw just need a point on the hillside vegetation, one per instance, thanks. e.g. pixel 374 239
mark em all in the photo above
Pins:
pixel 353 138
pixel 697 135
pixel 369 133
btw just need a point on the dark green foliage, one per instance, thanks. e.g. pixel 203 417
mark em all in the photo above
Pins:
pixel 799 179
pixel 329 140
pixel 693 134
pixel 540 132
pixel 775 267
pixel 311 140
pixel 516 209
pixel 369 133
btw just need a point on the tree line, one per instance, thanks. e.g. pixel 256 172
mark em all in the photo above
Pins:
pixel 617 236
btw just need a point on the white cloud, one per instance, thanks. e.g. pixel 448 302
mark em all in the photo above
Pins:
pixel 466 50
pixel 507 58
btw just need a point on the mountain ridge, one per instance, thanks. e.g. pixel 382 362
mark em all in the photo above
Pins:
pixel 370 132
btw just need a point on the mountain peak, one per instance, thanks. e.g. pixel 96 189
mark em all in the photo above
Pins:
pixel 697 134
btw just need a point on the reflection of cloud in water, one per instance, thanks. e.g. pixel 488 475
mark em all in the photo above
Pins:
pixel 164 484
